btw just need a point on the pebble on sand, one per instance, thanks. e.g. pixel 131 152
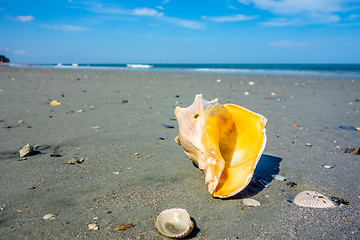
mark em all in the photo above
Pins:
pixel 346 127
pixel 354 150
pixel 167 126
pixel 291 184
pixel 55 155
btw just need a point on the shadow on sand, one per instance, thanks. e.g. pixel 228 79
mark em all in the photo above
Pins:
pixel 266 166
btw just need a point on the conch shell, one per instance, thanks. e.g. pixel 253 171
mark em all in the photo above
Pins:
pixel 225 141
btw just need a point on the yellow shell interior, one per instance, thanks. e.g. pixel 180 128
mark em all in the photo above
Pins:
pixel 226 141
pixel 237 135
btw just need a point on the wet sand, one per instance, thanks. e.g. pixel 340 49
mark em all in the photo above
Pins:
pixel 134 168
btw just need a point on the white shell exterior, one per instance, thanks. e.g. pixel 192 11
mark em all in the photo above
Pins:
pixel 174 223
pixel 278 177
pixel 26 150
pixel 49 217
pixel 328 166
pixel 251 202
pixel 313 199
pixel 93 226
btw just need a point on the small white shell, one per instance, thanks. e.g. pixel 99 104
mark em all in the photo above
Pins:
pixel 313 199
pixel 278 177
pixel 93 226
pixel 49 217
pixel 174 223
pixel 251 202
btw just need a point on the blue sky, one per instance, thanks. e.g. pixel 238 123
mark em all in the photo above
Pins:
pixel 180 31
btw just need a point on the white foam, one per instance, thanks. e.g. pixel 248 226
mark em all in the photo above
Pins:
pixel 139 65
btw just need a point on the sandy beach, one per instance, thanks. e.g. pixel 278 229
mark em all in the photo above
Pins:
pixel 134 169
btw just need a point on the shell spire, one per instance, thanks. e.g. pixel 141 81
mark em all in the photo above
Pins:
pixel 225 141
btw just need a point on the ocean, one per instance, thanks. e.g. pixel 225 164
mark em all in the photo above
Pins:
pixel 338 70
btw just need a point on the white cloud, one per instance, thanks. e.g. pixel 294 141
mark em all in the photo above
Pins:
pixel 306 11
pixel 99 8
pixel 287 43
pixel 299 6
pixel 20 52
pixel 27 18
pixel 232 18
pixel 298 21
pixel 145 12
pixel 183 23
pixel 64 27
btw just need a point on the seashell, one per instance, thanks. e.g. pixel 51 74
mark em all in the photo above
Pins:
pixel 93 226
pixel 49 217
pixel 55 103
pixel 177 140
pixel 313 199
pixel 124 226
pixel 225 141
pixel 75 161
pixel 26 150
pixel 278 177
pixel 174 223
pixel 251 202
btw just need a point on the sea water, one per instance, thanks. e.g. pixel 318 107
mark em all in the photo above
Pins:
pixel 340 70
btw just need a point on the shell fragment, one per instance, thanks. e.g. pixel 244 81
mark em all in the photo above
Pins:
pixel 251 202
pixel 49 217
pixel 93 226
pixel 278 177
